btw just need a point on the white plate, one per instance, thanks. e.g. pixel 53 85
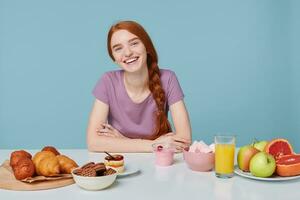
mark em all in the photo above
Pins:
pixel 129 169
pixel 272 178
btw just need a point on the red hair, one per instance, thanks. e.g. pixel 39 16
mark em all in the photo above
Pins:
pixel 162 124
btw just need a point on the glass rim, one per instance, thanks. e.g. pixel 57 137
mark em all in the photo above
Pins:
pixel 225 136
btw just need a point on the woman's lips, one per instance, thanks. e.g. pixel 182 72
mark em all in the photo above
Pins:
pixel 131 60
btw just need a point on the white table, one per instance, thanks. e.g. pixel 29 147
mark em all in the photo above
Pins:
pixel 174 182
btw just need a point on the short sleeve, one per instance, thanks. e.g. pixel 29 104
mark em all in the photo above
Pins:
pixel 101 89
pixel 174 91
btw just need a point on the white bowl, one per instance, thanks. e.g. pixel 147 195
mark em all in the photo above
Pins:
pixel 94 183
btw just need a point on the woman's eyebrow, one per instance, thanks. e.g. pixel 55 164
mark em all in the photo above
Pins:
pixel 132 39
pixel 116 45
pixel 135 38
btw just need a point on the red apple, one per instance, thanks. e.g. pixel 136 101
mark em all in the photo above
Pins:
pixel 244 156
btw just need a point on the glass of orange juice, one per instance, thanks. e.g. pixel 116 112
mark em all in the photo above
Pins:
pixel 224 155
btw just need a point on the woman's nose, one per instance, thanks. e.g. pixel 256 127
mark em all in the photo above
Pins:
pixel 127 52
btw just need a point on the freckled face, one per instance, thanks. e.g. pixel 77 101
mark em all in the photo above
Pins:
pixel 128 51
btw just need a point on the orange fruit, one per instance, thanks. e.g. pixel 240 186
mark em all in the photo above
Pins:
pixel 279 147
pixel 288 165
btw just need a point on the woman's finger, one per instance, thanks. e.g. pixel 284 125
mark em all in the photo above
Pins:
pixel 105 130
pixel 104 125
pixel 179 145
pixel 182 140
pixel 178 151
pixel 110 127
pixel 169 134
pixel 108 134
pixel 102 133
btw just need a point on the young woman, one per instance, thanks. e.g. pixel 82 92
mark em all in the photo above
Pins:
pixel 130 112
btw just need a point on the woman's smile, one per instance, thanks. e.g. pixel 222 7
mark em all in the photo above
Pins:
pixel 131 60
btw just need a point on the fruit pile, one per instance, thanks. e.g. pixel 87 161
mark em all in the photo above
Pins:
pixel 265 158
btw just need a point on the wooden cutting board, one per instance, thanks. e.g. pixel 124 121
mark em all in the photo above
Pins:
pixel 9 182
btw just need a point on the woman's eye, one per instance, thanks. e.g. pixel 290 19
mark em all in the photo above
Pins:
pixel 134 43
pixel 118 49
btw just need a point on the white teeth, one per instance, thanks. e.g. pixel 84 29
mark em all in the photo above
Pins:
pixel 131 60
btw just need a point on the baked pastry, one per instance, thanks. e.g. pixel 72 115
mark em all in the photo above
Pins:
pixel 46 163
pixel 52 149
pixel 17 155
pixel 24 168
pixel 21 153
pixel 40 155
pixel 66 164
pixel 48 166
pixel 116 162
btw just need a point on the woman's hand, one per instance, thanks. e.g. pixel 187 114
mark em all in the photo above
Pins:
pixel 171 138
pixel 108 130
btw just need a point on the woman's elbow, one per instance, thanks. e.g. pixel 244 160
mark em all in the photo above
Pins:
pixel 96 144
pixel 91 146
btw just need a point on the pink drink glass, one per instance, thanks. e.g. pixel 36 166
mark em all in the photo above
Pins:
pixel 164 154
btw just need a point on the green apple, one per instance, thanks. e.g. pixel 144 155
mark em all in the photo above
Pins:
pixel 260 145
pixel 262 165
pixel 244 156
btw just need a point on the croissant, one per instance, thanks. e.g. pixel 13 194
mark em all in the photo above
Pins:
pixel 48 166
pixel 24 168
pixel 46 163
pixel 40 155
pixel 18 155
pixel 52 149
pixel 66 164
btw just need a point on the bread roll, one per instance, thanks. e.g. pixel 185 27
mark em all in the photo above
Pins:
pixel 52 149
pixel 17 155
pixel 48 166
pixel 66 164
pixel 39 167
pixel 40 155
pixel 24 168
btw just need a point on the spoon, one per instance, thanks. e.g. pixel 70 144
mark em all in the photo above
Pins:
pixel 109 155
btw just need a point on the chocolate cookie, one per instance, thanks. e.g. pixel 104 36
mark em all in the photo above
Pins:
pixel 99 168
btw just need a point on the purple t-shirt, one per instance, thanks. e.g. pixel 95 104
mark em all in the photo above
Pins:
pixel 134 120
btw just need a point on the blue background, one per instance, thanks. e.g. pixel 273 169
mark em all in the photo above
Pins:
pixel 237 62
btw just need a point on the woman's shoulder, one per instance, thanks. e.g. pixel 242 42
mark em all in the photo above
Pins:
pixel 112 75
pixel 166 74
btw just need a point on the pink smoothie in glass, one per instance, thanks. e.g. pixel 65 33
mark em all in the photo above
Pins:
pixel 163 155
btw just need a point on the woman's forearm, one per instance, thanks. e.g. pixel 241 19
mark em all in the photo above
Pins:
pixel 116 144
pixel 184 132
